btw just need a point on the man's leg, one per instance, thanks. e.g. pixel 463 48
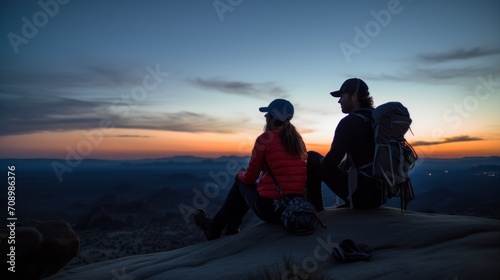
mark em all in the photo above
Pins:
pixel 368 194
pixel 314 179
pixel 335 179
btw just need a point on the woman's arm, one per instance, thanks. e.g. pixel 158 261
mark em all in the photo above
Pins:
pixel 257 160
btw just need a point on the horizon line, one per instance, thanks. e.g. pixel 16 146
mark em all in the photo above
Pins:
pixel 206 157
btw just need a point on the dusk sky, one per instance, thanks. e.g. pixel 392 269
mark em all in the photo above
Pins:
pixel 151 79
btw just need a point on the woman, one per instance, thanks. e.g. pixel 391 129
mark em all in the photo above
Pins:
pixel 281 149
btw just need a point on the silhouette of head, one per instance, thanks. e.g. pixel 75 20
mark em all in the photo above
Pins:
pixel 280 109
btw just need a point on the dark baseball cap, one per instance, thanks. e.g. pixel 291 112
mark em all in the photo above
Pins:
pixel 281 109
pixel 353 85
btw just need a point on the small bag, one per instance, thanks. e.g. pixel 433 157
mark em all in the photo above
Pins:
pixel 299 216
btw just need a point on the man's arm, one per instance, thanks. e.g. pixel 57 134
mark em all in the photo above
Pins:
pixel 340 144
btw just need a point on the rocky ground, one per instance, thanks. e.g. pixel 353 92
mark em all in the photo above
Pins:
pixel 100 245
pixel 410 246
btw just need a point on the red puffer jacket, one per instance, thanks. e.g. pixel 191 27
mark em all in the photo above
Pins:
pixel 290 171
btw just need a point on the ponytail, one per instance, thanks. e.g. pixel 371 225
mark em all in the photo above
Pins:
pixel 290 137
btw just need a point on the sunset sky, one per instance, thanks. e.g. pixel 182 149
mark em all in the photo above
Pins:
pixel 151 79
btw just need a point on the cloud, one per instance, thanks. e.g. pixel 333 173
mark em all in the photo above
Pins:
pixel 34 114
pixel 34 101
pixel 65 114
pixel 129 136
pixel 462 138
pixel 182 122
pixel 434 75
pixel 307 130
pixel 425 68
pixel 459 54
pixel 240 88
pixel 82 77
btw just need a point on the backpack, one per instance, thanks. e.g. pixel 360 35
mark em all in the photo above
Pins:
pixel 394 157
pixel 299 215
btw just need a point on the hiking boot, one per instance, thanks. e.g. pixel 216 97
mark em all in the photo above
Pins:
pixel 232 230
pixel 348 251
pixel 344 205
pixel 203 222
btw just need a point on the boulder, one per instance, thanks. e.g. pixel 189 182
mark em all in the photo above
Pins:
pixel 41 249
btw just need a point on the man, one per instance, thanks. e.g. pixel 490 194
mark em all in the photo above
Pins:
pixel 353 140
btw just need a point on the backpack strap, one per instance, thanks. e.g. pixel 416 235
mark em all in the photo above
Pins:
pixel 366 170
pixel 278 187
pixel 352 178
pixel 407 194
pixel 352 171
pixel 358 113
pixel 365 118
pixel 352 183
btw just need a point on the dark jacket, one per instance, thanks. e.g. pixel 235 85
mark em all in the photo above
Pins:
pixel 353 135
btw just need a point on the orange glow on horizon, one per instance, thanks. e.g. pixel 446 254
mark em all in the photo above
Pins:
pixel 124 144
pixel 140 144
pixel 460 149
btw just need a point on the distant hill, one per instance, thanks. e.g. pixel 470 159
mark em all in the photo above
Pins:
pixel 429 163
pixel 455 163
pixel 472 181
pixel 46 163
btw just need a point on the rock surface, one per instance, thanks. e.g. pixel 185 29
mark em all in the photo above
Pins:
pixel 409 246
pixel 41 249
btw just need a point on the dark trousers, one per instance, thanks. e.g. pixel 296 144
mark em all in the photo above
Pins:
pixel 238 201
pixel 367 195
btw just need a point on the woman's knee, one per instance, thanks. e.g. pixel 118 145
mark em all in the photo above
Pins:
pixel 313 155
pixel 314 161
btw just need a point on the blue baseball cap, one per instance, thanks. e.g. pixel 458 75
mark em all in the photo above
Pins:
pixel 280 109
